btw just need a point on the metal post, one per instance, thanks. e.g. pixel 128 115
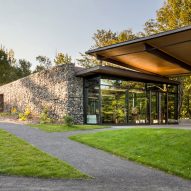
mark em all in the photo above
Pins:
pixel 100 101
pixel 127 105
pixel 167 107
pixel 150 107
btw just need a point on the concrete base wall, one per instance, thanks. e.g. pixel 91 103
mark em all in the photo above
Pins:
pixel 58 89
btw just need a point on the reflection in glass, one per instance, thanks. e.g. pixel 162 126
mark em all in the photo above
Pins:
pixel 172 108
pixel 138 106
pixel 113 104
pixel 116 101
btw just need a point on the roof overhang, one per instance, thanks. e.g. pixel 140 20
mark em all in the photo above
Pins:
pixel 166 54
pixel 123 74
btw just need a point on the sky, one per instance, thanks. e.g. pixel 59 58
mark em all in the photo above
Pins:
pixel 45 27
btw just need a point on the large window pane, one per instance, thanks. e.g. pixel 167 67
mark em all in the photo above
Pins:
pixel 113 103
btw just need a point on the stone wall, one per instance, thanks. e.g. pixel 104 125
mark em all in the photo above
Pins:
pixel 58 89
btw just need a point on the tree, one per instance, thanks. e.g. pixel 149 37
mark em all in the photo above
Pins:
pixel 10 69
pixel 23 68
pixel 185 96
pixel 39 68
pixel 150 27
pixel 173 14
pixel 44 63
pixel 62 58
pixel 107 37
pixel 7 66
pixel 104 38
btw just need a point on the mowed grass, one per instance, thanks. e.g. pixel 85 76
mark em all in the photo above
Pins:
pixel 62 128
pixel 19 158
pixel 165 149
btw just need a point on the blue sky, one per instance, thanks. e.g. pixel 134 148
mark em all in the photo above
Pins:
pixel 44 27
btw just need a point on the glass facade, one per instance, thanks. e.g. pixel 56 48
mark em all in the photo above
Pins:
pixel 117 101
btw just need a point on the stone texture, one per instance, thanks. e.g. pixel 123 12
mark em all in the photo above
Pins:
pixel 58 89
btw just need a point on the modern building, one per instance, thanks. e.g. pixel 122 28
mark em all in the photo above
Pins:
pixel 138 90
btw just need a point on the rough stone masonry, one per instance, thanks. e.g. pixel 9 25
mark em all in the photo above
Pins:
pixel 57 89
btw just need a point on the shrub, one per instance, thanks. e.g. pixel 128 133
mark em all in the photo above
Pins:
pixel 68 120
pixel 44 116
pixel 22 117
pixel 26 114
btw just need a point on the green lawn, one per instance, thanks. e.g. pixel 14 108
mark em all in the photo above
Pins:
pixel 63 128
pixel 19 158
pixel 165 149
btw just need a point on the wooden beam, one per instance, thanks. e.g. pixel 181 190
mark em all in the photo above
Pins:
pixel 161 54
pixel 99 57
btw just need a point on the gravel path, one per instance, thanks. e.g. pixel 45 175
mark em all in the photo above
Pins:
pixel 111 173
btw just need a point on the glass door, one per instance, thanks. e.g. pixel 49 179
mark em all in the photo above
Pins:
pixel 158 107
pixel 137 106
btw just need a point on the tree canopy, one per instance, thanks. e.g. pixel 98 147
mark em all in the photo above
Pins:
pixel 62 58
pixel 172 15
pixel 104 38
pixel 10 69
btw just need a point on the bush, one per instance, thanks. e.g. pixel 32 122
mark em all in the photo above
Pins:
pixel 44 116
pixel 68 120
pixel 22 117
pixel 25 115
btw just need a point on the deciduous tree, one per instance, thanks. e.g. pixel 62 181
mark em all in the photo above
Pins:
pixel 62 58
pixel 44 63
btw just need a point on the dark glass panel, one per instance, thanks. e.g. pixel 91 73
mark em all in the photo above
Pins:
pixel 172 108
pixel 172 88
pixel 93 101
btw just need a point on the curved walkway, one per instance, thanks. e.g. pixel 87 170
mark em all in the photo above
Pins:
pixel 111 173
